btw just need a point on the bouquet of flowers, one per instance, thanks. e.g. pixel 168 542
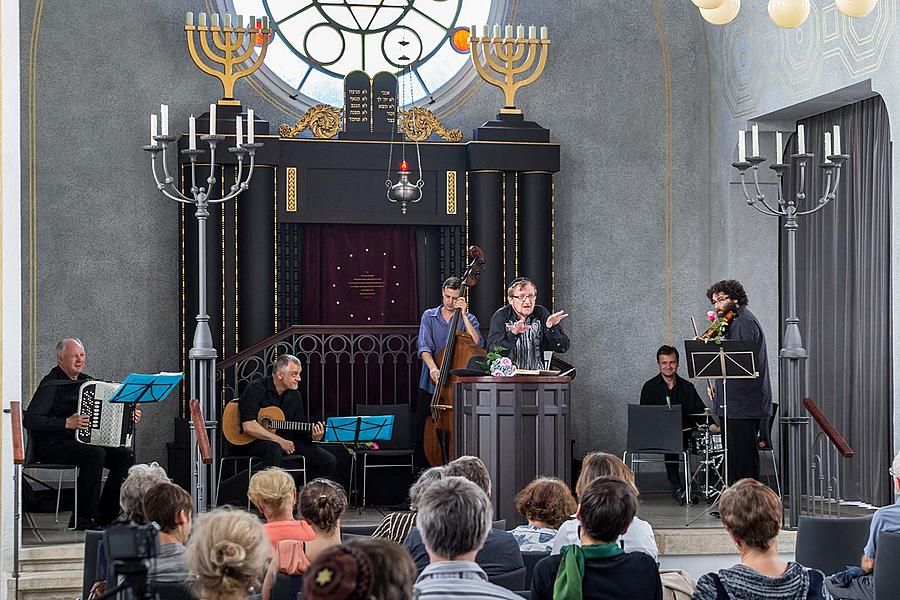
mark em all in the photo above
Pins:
pixel 498 365
pixel 716 328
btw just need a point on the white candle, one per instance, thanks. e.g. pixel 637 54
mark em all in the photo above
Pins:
pixel 520 31
pixel 251 22
pixel 189 18
pixel 778 147
pixel 250 126
pixel 827 146
pixel 837 139
pixel 801 140
pixel 238 131
pixel 164 118
pixel 496 31
pixel 227 19
pixel 755 139
pixel 544 33
pixel 192 136
pixel 742 149
pixel 214 18
pixel 212 119
pixel 473 31
pixel 240 22
pixel 153 130
pixel 201 19
pixel 265 22
pixel 509 31
pixel 532 32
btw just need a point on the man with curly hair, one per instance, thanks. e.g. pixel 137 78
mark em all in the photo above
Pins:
pixel 749 400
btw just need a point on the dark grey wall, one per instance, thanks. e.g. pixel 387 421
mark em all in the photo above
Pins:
pixel 642 96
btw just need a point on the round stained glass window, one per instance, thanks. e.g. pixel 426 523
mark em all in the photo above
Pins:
pixel 315 43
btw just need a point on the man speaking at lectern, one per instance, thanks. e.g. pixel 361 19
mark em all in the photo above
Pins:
pixel 525 329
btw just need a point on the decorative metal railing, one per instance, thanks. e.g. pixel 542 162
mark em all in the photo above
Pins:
pixel 826 449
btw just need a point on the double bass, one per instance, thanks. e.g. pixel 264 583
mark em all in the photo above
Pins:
pixel 438 439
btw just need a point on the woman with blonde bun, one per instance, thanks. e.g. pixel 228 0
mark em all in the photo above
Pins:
pixel 274 493
pixel 227 554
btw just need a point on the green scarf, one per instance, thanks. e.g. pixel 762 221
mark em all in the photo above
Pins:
pixel 571 570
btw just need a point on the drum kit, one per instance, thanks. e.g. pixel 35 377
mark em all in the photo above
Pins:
pixel 708 478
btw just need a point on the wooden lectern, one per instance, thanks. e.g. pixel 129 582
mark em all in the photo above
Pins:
pixel 520 427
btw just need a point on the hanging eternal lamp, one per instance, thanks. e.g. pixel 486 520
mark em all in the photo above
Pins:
pixel 404 191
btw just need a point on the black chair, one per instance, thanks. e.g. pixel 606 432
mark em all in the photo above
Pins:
pixel 286 587
pixel 530 559
pixel 346 537
pixel 499 524
pixel 398 447
pixel 31 463
pixel 90 571
pixel 171 591
pixel 830 544
pixel 513 580
pixel 363 530
pixel 656 430
pixel 887 558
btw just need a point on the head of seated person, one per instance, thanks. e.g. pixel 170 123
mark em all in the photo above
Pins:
pixel 454 519
pixel 362 568
pixel 227 554
pixel 603 464
pixel 274 494
pixel 546 503
pixel 607 507
pixel 471 468
pixel 751 513
pixel 427 477
pixel 170 507
pixel 322 503
pixel 141 477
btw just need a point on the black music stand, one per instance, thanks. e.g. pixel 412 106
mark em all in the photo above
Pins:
pixel 729 359
pixel 353 431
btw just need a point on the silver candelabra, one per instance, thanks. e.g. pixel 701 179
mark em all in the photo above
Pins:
pixel 794 421
pixel 202 354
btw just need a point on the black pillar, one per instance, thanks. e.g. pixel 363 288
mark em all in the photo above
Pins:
pixel 485 227
pixel 256 258
pixel 535 232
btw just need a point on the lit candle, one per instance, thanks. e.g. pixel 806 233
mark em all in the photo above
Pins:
pixel 238 131
pixel 201 19
pixel 164 118
pixel 251 22
pixel 742 148
pixel 837 139
pixel 801 140
pixel 496 31
pixel 532 32
pixel 755 139
pixel 215 19
pixel 520 31
pixel 153 130
pixel 250 126
pixel 212 119
pixel 509 31
pixel 227 19
pixel 192 136
pixel 778 147
pixel 544 33
pixel 188 19
pixel 827 146
pixel 240 21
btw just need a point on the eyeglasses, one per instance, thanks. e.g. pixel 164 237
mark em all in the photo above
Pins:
pixel 525 297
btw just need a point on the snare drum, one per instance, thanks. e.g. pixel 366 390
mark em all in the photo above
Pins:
pixel 712 440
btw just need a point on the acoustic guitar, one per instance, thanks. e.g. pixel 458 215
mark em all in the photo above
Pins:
pixel 270 417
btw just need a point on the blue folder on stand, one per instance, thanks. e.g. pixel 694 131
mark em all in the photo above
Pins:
pixel 352 430
pixel 138 387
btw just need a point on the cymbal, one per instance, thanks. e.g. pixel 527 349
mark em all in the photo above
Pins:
pixel 703 414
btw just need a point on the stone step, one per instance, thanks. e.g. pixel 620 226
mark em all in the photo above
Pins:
pixel 53 585
pixel 60 557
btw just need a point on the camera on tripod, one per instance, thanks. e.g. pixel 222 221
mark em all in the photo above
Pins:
pixel 130 542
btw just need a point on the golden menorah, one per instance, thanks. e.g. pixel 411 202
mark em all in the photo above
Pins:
pixel 504 56
pixel 230 51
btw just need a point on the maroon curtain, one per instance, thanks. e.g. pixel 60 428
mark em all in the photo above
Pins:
pixel 359 275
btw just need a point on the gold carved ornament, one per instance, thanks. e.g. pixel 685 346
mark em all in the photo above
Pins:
pixel 419 123
pixel 323 120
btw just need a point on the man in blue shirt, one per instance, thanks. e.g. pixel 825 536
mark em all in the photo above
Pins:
pixel 434 329
pixel 886 518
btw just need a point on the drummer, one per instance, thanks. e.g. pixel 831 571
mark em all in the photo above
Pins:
pixel 667 388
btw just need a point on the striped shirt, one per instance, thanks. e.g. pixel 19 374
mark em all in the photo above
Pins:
pixel 458 579
pixel 396 526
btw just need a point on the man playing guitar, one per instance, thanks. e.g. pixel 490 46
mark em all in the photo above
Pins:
pixel 280 390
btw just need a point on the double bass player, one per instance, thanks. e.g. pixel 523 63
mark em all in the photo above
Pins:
pixel 434 329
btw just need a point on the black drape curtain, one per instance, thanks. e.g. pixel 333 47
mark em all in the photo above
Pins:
pixel 844 292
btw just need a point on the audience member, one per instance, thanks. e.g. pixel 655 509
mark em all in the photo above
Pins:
pixel 599 567
pixel 397 525
pixel 862 586
pixel 545 503
pixel 500 551
pixel 274 494
pixel 362 569
pixel 454 520
pixel 170 507
pixel 639 537
pixel 227 554
pixel 322 504
pixel 751 513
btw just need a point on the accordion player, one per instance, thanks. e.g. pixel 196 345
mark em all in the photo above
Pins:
pixel 110 424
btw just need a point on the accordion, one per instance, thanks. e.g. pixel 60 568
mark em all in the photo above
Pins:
pixel 110 423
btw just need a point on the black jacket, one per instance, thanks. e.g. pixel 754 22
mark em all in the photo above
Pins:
pixel 54 401
pixel 554 338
